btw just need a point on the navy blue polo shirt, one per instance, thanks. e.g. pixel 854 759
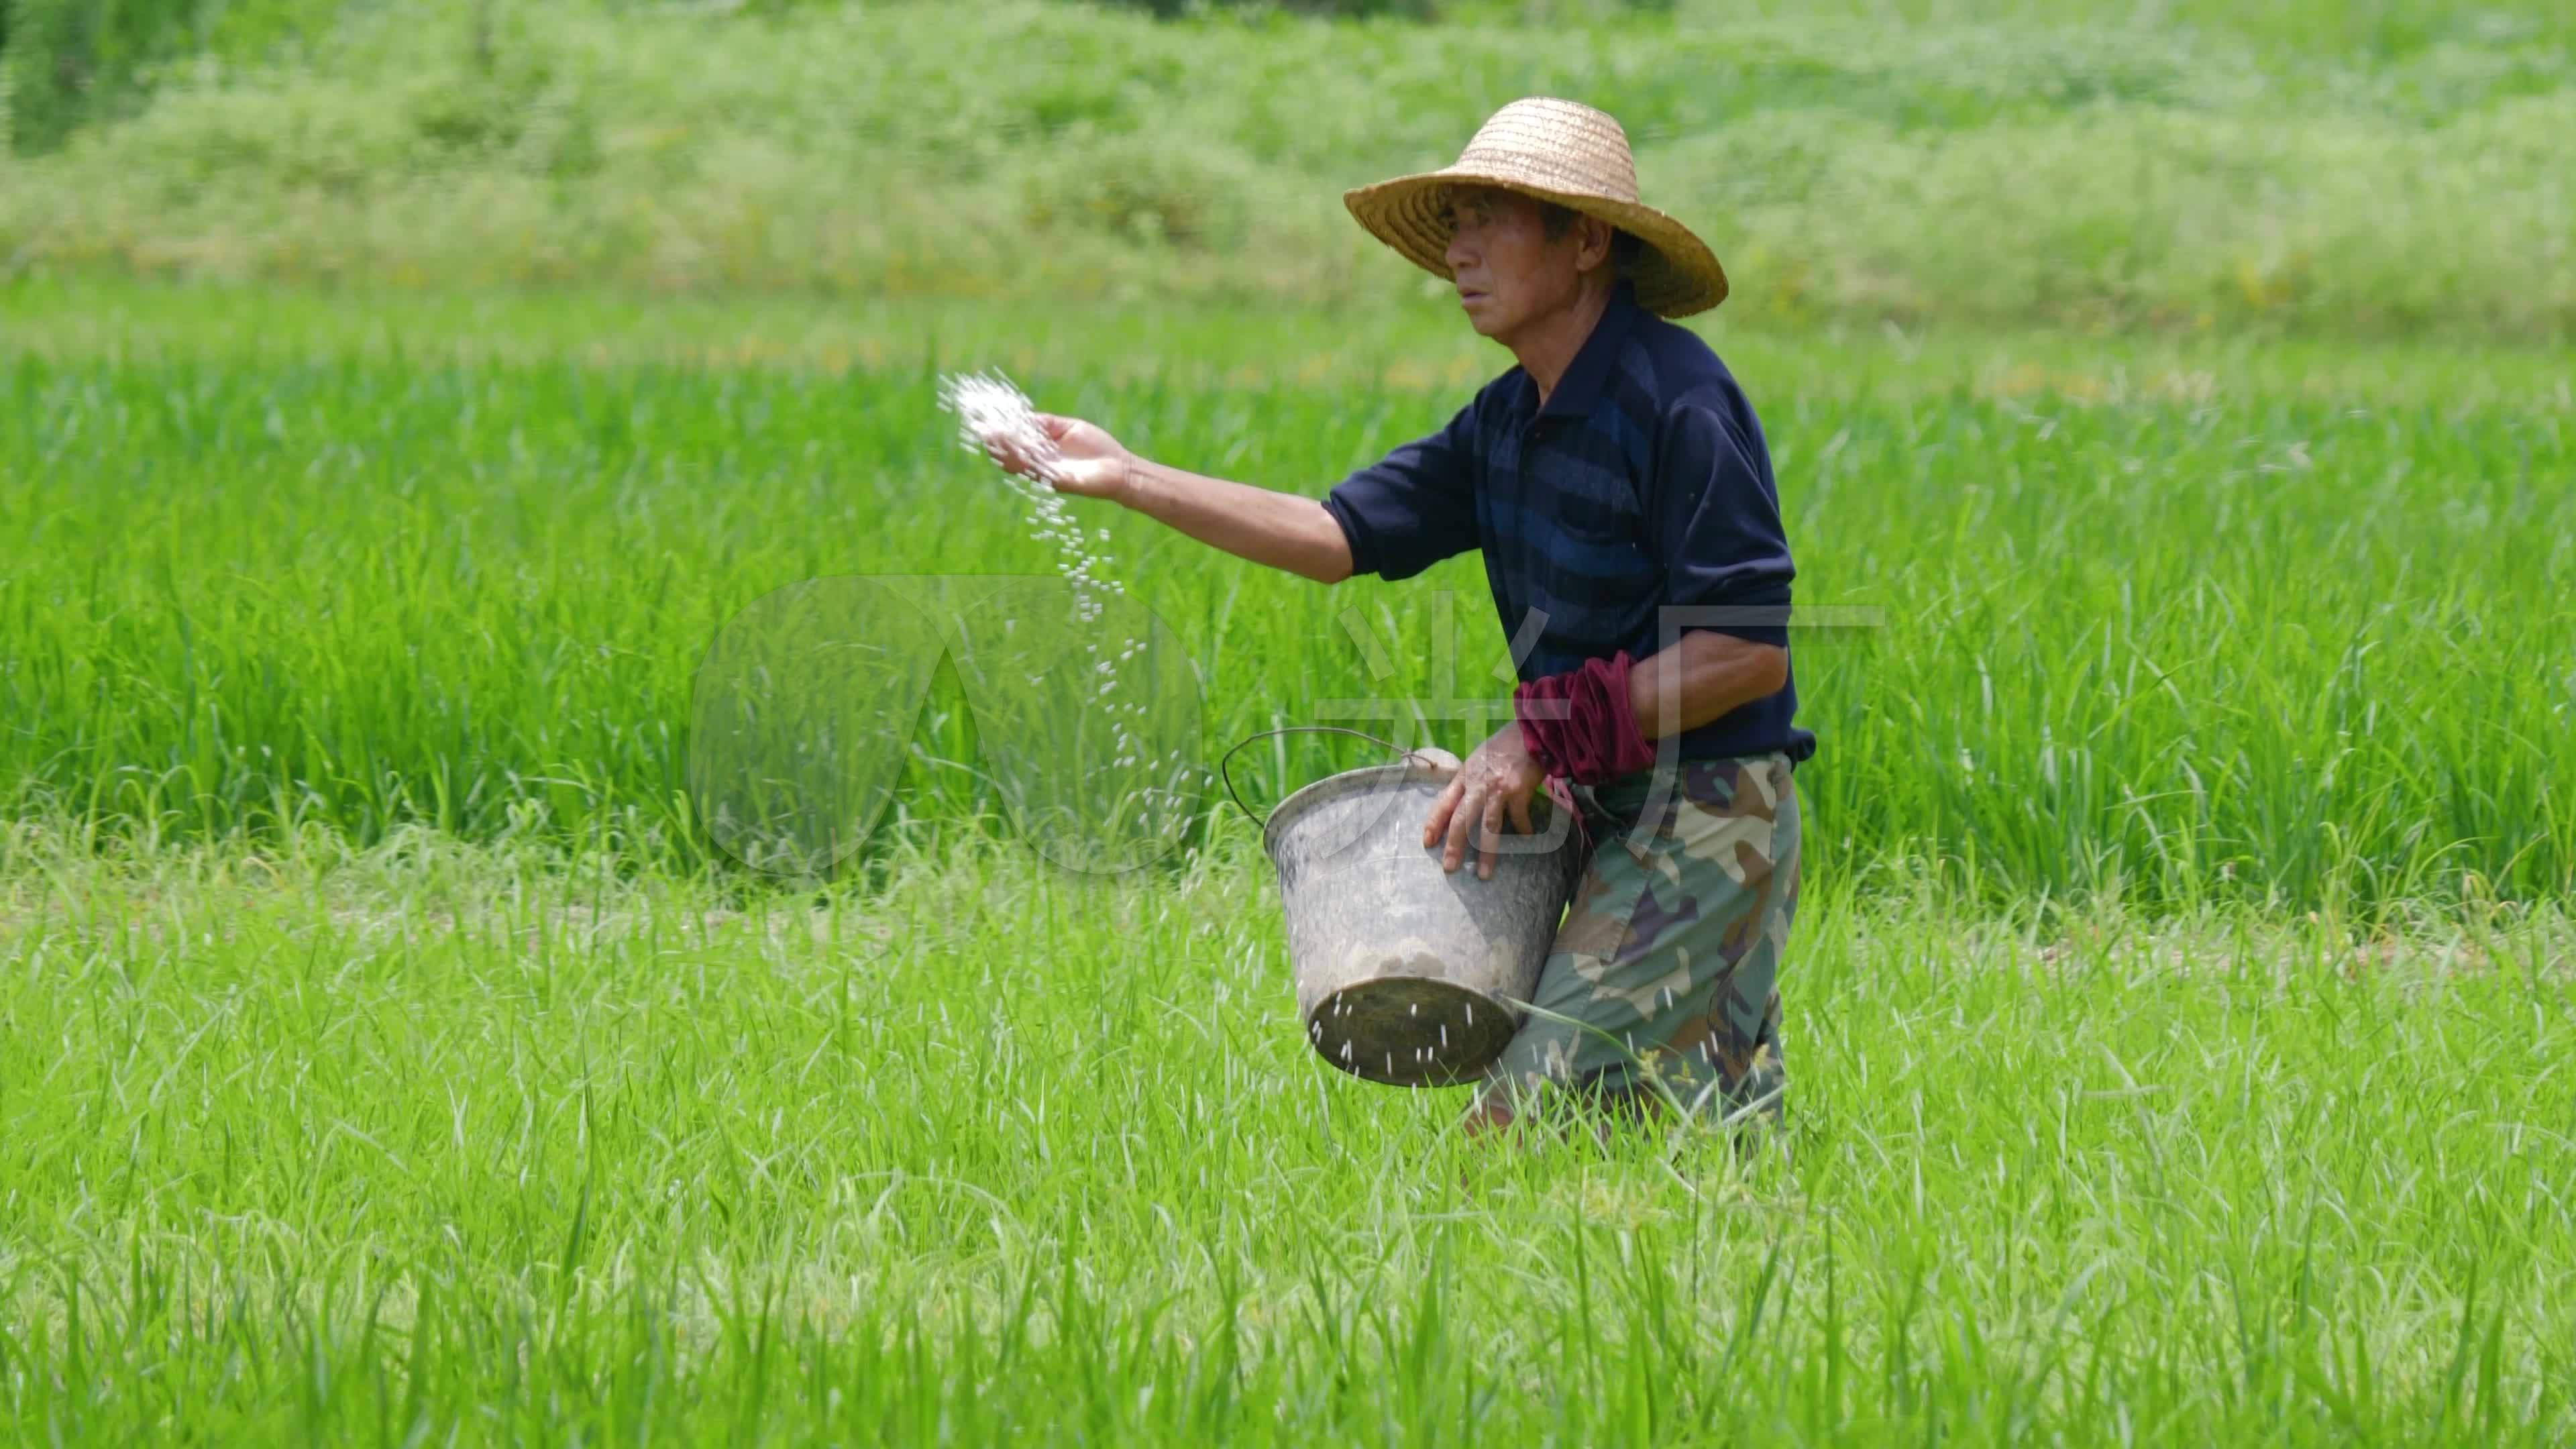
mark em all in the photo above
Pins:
pixel 1643 482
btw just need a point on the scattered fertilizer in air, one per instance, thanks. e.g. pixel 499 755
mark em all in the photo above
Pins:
pixel 991 411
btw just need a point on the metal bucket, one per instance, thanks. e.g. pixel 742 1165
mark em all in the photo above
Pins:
pixel 1406 973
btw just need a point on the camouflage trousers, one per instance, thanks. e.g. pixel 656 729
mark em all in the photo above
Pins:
pixel 1662 985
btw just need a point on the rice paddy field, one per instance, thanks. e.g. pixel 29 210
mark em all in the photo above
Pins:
pixel 2283 626
pixel 415 438
pixel 2179 1015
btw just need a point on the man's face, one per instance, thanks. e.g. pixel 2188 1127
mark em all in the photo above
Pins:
pixel 1508 271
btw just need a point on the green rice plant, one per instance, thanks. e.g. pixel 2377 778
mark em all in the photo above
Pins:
pixel 487 1141
pixel 2146 625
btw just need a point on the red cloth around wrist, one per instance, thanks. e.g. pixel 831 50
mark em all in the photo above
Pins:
pixel 1581 724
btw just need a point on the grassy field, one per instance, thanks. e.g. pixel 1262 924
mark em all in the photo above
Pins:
pixel 399 405
pixel 2299 166
pixel 2151 625
pixel 2178 1015
pixel 434 1142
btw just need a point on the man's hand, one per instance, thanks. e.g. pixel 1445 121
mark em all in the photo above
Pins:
pixel 1496 782
pixel 1088 461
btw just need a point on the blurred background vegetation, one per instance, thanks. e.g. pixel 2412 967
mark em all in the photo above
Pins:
pixel 2377 167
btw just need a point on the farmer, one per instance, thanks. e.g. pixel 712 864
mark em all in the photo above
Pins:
pixel 1616 472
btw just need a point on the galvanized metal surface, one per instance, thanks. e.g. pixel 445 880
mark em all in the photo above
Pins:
pixel 1406 973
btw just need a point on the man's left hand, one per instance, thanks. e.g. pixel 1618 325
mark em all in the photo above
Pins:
pixel 1495 783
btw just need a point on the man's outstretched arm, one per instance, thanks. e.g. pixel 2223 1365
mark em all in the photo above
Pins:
pixel 1282 530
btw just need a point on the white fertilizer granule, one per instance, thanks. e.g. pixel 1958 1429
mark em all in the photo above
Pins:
pixel 991 411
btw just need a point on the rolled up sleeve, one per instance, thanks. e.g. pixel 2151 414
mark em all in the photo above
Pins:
pixel 1414 508
pixel 1718 518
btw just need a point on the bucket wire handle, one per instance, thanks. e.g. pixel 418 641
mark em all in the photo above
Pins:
pixel 1263 821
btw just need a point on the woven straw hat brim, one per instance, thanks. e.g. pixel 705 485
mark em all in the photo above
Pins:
pixel 1561 151
pixel 1675 276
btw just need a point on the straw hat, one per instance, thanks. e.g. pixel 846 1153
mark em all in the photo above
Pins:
pixel 1557 151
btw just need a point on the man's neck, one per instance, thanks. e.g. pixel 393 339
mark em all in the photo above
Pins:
pixel 1548 348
